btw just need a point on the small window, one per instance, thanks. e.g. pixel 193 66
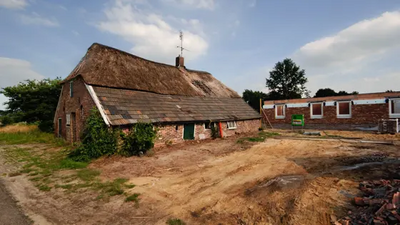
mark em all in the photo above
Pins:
pixel 394 108
pixel 231 125
pixel 71 90
pixel 279 111
pixel 176 127
pixel 209 125
pixel 343 109
pixel 316 110
pixel 68 119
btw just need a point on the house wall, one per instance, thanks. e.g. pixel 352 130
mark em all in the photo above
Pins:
pixel 81 103
pixel 362 116
pixel 174 133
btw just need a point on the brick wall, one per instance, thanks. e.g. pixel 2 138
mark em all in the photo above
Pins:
pixel 81 103
pixel 174 133
pixel 365 116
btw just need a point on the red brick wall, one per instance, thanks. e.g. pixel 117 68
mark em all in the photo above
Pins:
pixel 169 133
pixel 67 104
pixel 361 116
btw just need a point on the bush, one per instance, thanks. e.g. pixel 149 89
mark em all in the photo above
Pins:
pixel 97 139
pixel 6 120
pixel 139 140
pixel 46 126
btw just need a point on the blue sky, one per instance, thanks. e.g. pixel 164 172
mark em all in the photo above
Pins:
pixel 344 45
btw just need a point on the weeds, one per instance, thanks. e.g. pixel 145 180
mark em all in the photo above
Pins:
pixel 133 198
pixel 87 174
pixel 175 221
pixel 259 138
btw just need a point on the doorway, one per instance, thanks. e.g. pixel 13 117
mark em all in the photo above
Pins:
pixel 188 131
pixel 59 127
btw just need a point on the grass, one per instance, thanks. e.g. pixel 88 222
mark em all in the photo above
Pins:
pixel 87 174
pixel 133 198
pixel 41 165
pixel 175 221
pixel 24 134
pixel 259 138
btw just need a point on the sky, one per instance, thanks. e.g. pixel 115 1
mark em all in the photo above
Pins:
pixel 341 44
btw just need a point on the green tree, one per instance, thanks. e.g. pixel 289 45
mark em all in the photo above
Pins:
pixel 253 98
pixel 33 101
pixel 286 80
pixel 325 92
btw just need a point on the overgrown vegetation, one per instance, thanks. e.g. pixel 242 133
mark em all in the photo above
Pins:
pixel 23 134
pixel 259 138
pixel 97 139
pixel 139 140
pixel 32 101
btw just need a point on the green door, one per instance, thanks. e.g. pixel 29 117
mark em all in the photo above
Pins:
pixel 188 131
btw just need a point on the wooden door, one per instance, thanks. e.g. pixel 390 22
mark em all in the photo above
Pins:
pixel 73 123
pixel 188 131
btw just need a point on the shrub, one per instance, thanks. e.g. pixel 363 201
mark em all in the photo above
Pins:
pixel 46 126
pixel 6 120
pixel 139 140
pixel 97 139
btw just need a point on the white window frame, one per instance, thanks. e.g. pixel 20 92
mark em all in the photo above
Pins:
pixel 312 116
pixel 276 112
pixel 68 119
pixel 344 115
pixel 393 115
pixel 229 125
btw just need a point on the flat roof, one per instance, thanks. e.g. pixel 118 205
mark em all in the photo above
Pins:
pixel 378 95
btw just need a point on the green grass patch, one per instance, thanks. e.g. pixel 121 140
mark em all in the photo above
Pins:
pixel 175 221
pixel 259 138
pixel 87 174
pixel 112 188
pixel 43 187
pixel 35 136
pixel 129 186
pixel 133 198
pixel 68 163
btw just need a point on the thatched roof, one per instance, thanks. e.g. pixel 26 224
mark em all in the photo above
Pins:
pixel 124 107
pixel 110 67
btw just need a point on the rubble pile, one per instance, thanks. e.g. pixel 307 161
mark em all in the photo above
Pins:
pixel 379 205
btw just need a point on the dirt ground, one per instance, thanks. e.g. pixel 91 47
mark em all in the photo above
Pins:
pixel 290 179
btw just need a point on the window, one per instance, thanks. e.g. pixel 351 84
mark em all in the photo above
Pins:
pixel 343 109
pixel 231 125
pixel 71 90
pixel 209 125
pixel 279 111
pixel 394 108
pixel 316 110
pixel 68 119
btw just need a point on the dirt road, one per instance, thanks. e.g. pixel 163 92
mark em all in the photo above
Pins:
pixel 9 211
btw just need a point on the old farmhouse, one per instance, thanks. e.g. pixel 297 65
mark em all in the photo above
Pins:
pixel 362 111
pixel 127 89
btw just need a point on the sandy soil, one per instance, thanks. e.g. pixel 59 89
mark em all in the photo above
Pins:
pixel 279 181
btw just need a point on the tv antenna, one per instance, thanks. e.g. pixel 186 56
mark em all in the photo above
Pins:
pixel 181 46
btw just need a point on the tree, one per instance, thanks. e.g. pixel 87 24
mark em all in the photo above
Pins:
pixel 325 92
pixel 33 101
pixel 286 80
pixel 253 98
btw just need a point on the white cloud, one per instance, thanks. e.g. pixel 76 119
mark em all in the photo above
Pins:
pixel 13 4
pixel 14 71
pixel 253 3
pixel 36 19
pixel 150 34
pixel 196 4
pixel 353 57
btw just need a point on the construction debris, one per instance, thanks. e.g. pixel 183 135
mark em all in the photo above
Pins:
pixel 380 204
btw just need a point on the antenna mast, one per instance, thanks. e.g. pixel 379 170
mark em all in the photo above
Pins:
pixel 181 47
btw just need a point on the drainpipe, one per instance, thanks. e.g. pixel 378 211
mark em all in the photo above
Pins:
pixel 220 129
